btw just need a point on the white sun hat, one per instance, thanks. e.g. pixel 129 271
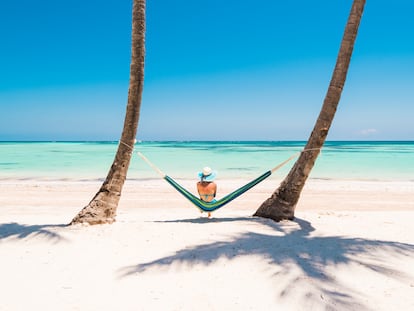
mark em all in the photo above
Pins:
pixel 207 174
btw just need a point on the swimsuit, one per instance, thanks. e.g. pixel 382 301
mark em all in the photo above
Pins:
pixel 205 197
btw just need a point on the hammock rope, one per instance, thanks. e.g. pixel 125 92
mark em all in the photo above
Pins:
pixel 212 206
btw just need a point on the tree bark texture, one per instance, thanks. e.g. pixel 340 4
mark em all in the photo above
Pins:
pixel 102 208
pixel 282 203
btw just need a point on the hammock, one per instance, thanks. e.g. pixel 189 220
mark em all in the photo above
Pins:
pixel 212 206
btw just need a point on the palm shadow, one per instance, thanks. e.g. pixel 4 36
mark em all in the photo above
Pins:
pixel 21 231
pixel 311 254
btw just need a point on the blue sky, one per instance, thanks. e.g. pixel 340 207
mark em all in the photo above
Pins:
pixel 214 70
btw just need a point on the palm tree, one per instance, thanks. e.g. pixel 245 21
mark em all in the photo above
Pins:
pixel 281 205
pixel 102 208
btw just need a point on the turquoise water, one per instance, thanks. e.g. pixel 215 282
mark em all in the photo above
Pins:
pixel 232 160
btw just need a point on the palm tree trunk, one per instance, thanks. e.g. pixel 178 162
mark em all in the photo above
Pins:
pixel 281 205
pixel 102 208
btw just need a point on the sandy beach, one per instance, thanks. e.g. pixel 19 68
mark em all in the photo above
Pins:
pixel 351 247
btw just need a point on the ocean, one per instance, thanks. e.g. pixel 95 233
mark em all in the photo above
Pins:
pixel 88 161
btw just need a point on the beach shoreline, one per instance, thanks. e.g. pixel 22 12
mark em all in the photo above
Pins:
pixel 318 194
pixel 350 247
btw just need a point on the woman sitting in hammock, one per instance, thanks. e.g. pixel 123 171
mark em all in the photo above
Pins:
pixel 206 187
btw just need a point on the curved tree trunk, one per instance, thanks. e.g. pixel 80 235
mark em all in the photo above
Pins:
pixel 102 208
pixel 281 205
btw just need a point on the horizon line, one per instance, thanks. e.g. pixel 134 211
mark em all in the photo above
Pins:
pixel 197 141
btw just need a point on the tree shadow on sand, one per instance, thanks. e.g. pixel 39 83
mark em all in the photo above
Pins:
pixel 294 246
pixel 21 231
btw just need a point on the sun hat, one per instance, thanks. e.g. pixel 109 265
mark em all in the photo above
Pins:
pixel 207 174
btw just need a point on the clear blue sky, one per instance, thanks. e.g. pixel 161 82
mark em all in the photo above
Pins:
pixel 214 70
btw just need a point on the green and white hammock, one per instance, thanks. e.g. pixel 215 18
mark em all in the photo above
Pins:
pixel 212 206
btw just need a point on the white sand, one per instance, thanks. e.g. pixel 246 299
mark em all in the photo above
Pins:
pixel 350 248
